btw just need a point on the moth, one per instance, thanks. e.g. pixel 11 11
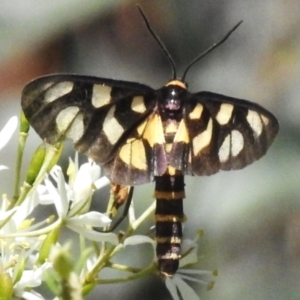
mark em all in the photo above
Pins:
pixel 139 134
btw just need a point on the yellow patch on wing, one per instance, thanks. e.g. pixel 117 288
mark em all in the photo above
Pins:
pixel 254 120
pixel 101 95
pixel 58 90
pixel 182 134
pixel 140 129
pixel 138 104
pixel 153 131
pixel 203 139
pixel 65 118
pixel 133 154
pixel 224 114
pixel 111 127
pixel 196 113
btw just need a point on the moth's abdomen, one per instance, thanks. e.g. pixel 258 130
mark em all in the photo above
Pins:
pixel 169 194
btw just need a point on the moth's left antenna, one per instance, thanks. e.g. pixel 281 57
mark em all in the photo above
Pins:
pixel 161 45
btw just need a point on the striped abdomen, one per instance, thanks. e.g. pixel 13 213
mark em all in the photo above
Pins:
pixel 169 192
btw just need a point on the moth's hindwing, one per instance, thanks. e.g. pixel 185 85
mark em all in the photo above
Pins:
pixel 221 133
pixel 142 155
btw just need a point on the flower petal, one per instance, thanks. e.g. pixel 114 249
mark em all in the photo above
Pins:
pixel 171 286
pixel 101 182
pixel 92 218
pixel 8 131
pixel 138 239
pixel 26 208
pixel 60 207
pixel 95 235
pixel 185 290
pixel 6 214
pixel 83 182
pixel 32 295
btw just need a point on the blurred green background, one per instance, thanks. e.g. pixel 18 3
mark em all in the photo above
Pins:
pixel 251 217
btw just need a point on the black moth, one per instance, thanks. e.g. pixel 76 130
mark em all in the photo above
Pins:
pixel 138 134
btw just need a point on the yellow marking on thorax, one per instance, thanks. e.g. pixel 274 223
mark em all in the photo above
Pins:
pixel 168 147
pixel 171 127
pixel 177 82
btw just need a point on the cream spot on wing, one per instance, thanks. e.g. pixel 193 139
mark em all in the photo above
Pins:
pixel 111 127
pixel 255 122
pixel 196 113
pixel 77 129
pixel 237 142
pixel 65 118
pixel 138 104
pixel 190 157
pixel 224 150
pixel 224 114
pixel 58 90
pixel 265 120
pixel 203 139
pixel 133 154
pixel 101 95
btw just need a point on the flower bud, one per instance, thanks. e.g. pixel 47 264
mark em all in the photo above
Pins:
pixel 46 246
pixel 6 284
pixel 35 164
pixel 62 261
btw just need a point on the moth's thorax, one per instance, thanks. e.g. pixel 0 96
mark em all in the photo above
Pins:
pixel 171 101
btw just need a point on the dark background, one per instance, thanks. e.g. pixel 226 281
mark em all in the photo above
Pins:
pixel 251 217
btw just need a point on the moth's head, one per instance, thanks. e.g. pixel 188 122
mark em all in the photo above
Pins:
pixel 172 96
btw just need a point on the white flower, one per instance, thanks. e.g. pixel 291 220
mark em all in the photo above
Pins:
pixel 72 202
pixel 16 223
pixel 18 258
pixel 6 133
pixel 177 282
pixel 30 279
